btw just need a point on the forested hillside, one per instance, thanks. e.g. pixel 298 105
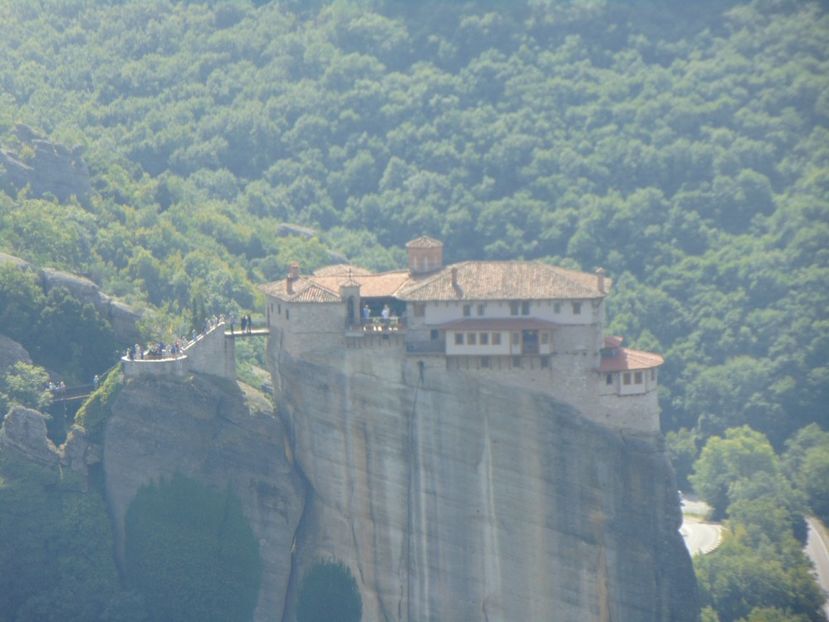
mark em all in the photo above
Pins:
pixel 683 146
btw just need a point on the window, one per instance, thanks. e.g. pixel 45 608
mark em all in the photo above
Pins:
pixel 637 377
pixel 576 308
pixel 458 339
pixel 626 378
pixel 434 334
pixel 525 308
pixel 496 339
pixel 516 339
pixel 481 308
pixel 467 310
pixel 653 374
pixel 484 361
pixel 545 362
pixel 516 361
pixel 608 379
pixel 545 338
pixel 484 337
pixel 279 309
pixel 287 314
pixel 419 309
pixel 471 339
pixel 557 307
pixel 513 308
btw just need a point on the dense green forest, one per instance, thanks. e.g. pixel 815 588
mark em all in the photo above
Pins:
pixel 682 146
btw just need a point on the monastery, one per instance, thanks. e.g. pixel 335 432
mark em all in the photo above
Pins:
pixel 519 323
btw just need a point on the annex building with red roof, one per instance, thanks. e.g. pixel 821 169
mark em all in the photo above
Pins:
pixel 525 323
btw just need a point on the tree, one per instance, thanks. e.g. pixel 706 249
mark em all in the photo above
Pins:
pixel 742 453
pixel 26 385
pixel 191 553
pixel 329 593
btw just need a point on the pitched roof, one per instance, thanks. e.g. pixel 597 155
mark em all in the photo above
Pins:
pixel 303 290
pixel 424 241
pixel 627 360
pixel 383 285
pixel 503 280
pixel 341 269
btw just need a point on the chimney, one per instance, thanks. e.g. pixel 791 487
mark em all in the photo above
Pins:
pixel 293 275
pixel 600 272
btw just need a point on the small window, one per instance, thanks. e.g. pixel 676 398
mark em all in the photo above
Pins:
pixel 485 361
pixel 279 309
pixel 481 308
pixel 545 338
pixel 626 378
pixel 637 377
pixel 467 310
pixel 545 362
pixel 514 307
pixel 484 337
pixel 471 339
pixel 287 314
pixel 525 308
pixel 608 379
pixel 419 309
pixel 557 307
pixel 458 339
pixel 496 339
pixel 576 308
pixel 516 339
pixel 516 361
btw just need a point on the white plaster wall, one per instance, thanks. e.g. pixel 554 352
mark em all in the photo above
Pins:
pixel 442 312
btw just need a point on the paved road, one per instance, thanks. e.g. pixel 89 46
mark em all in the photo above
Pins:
pixel 700 537
pixel 817 548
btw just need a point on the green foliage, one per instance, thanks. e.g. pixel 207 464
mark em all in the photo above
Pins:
pixel 743 453
pixel 806 463
pixel 191 553
pixel 56 559
pixel 736 579
pixel 95 412
pixel 26 385
pixel 329 593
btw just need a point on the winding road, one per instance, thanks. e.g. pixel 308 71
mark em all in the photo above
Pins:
pixel 817 548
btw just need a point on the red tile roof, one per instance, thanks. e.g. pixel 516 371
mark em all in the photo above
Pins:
pixel 424 241
pixel 627 360
pixel 504 280
pixel 473 280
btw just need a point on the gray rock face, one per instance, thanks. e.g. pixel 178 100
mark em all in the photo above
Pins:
pixel 10 353
pixel 454 499
pixel 46 167
pixel 203 428
pixel 24 430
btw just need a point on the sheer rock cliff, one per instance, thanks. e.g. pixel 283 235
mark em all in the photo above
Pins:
pixel 208 429
pixel 453 498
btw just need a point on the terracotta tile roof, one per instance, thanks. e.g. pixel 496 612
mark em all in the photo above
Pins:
pixel 341 269
pixel 424 241
pixel 327 288
pixel 477 280
pixel 504 280
pixel 611 341
pixel 627 360
pixel 383 285
pixel 507 324
pixel 304 290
